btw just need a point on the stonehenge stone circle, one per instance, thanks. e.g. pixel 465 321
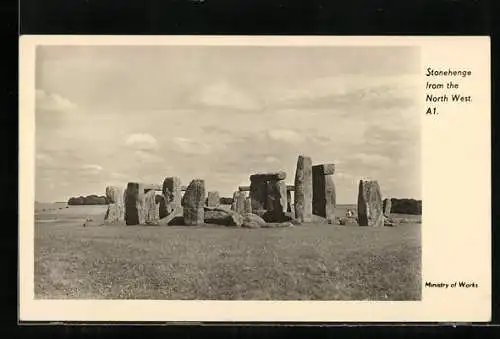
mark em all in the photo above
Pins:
pixel 239 202
pixel 134 204
pixel 268 176
pixel 387 207
pixel 324 195
pixel 370 211
pixel 172 193
pixel 213 199
pixel 116 205
pixel 303 189
pixel 193 202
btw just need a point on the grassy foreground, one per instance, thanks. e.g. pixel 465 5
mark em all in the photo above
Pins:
pixel 307 262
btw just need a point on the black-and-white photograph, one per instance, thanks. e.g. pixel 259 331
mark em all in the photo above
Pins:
pixel 228 172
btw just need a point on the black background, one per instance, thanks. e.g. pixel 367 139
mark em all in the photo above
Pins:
pixel 235 17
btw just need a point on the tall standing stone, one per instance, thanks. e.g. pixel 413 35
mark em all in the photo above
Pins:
pixel 172 193
pixel 288 201
pixel 276 195
pixel 239 202
pixel 213 199
pixel 303 189
pixel 258 194
pixel 151 208
pixel 116 205
pixel 134 204
pixel 193 201
pixel 324 195
pixel 387 207
pixel 370 212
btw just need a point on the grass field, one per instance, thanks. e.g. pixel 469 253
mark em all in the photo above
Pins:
pixel 306 262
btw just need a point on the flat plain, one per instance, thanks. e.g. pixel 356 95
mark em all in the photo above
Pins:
pixel 304 262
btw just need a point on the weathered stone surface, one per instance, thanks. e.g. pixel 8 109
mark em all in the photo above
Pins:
pixel 244 188
pixel 324 195
pixel 303 189
pixel 251 220
pixel 222 216
pixel 370 211
pixel 176 217
pixel 258 194
pixel 326 169
pixel 134 204
pixel 280 175
pixel 288 201
pixel 172 193
pixel 114 195
pixel 238 202
pixel 193 202
pixel 248 205
pixel 213 199
pixel 276 195
pixel 151 208
pixel 387 207
pixel 115 214
pixel 162 206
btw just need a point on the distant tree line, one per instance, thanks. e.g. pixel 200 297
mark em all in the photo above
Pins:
pixel 406 206
pixel 88 200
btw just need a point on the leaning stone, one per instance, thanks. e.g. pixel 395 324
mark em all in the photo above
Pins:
pixel 152 215
pixel 268 176
pixel 193 202
pixel 174 218
pixel 213 199
pixel 172 193
pixel 370 211
pixel 387 207
pixel 303 189
pixel 134 204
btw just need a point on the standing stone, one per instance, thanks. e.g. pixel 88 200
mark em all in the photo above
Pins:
pixel 303 189
pixel 116 205
pixel 276 195
pixel 239 202
pixel 370 212
pixel 387 207
pixel 151 208
pixel 213 199
pixel 324 195
pixel 248 205
pixel 258 194
pixel 172 193
pixel 289 201
pixel 134 204
pixel 193 202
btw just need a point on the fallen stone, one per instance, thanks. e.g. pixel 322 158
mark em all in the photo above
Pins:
pixel 193 202
pixel 171 191
pixel 176 217
pixel 277 224
pixel 303 189
pixel 370 211
pixel 213 199
pixel 222 216
pixel 251 220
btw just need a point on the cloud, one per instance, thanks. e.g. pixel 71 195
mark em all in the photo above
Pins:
pixel 186 145
pixel 285 135
pixel 91 169
pixel 148 157
pixel 52 102
pixel 223 94
pixel 44 160
pixel 370 159
pixel 141 141
pixel 271 159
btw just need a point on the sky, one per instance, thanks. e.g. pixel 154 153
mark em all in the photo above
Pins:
pixel 107 115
